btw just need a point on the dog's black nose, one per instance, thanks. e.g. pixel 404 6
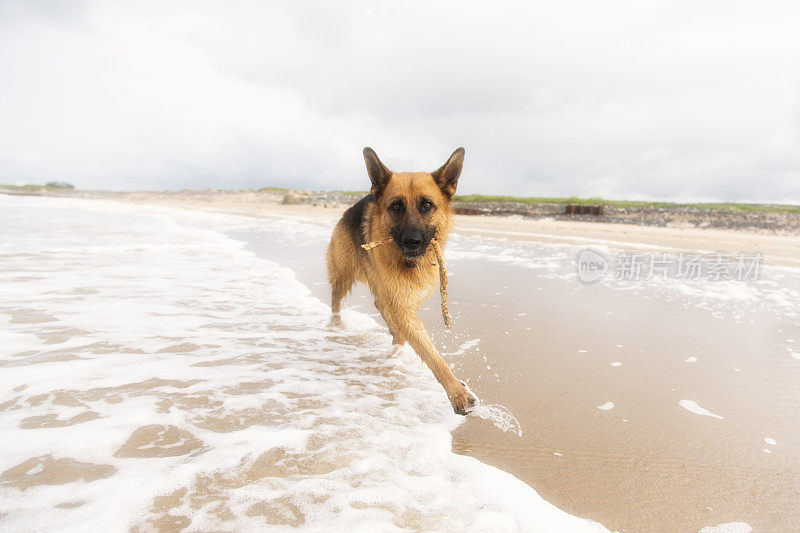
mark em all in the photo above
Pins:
pixel 412 238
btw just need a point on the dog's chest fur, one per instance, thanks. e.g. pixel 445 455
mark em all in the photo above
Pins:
pixel 388 271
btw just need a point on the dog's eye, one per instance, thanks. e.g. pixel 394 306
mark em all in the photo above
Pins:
pixel 396 207
pixel 425 205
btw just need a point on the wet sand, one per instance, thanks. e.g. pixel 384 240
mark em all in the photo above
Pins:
pixel 545 351
pixel 544 346
pixel 778 248
pixel 157 376
pixel 646 464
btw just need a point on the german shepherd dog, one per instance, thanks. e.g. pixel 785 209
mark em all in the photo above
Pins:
pixel 412 208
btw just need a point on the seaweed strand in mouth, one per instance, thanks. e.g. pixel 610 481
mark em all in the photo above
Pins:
pixel 442 273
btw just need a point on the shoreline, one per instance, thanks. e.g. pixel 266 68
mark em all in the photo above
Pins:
pixel 762 219
pixel 185 382
pixel 554 351
pixel 776 249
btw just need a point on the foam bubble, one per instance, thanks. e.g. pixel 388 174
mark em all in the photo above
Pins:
pixel 728 527
pixel 463 347
pixel 691 406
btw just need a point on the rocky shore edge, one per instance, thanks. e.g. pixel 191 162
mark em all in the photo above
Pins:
pixel 675 217
pixel 767 222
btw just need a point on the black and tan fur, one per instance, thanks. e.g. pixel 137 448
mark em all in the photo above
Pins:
pixel 412 208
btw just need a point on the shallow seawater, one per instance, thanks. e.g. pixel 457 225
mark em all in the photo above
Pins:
pixel 155 374
pixel 646 405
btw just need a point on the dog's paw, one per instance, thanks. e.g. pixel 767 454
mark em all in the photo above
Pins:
pixel 462 399
pixel 335 322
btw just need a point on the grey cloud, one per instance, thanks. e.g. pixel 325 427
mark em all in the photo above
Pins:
pixel 648 100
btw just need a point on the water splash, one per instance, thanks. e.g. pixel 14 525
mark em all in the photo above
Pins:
pixel 499 416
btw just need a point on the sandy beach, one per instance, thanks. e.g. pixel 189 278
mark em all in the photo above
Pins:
pixel 645 405
pixel 778 248
pixel 608 191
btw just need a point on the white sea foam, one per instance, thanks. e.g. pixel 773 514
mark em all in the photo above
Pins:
pixel 155 372
pixel 729 527
pixel 691 406
pixel 464 346
pixel 606 406
pixel 777 290
pixel 770 441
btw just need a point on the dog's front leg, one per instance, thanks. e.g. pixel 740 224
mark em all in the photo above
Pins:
pixel 410 327
pixel 397 339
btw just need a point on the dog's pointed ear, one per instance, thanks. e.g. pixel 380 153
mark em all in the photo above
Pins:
pixel 378 173
pixel 447 176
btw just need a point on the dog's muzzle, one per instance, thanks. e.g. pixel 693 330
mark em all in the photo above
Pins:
pixel 413 242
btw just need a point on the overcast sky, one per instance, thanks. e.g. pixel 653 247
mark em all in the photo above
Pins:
pixel 692 100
